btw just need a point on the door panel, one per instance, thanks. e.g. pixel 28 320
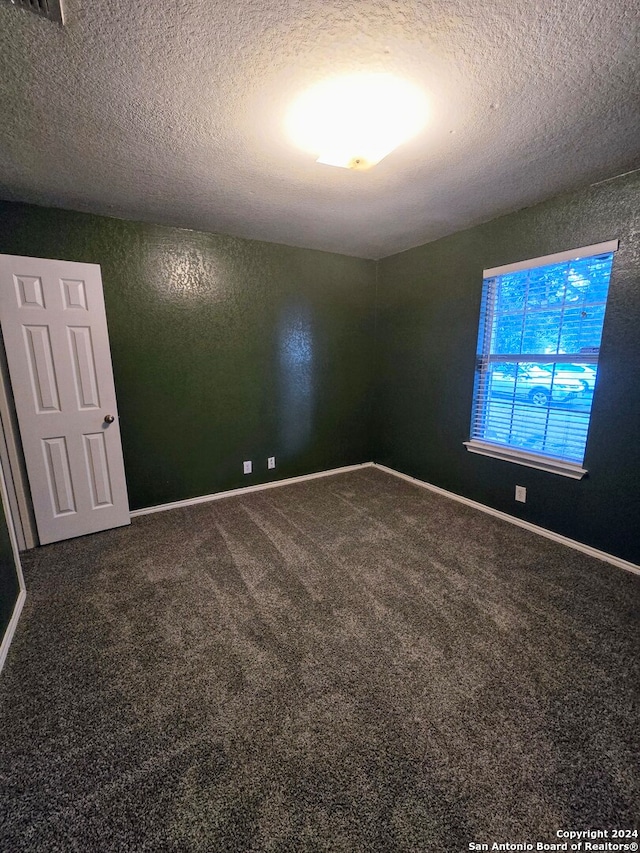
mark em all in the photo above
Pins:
pixel 98 467
pixel 59 475
pixel 84 370
pixel 55 333
pixel 41 370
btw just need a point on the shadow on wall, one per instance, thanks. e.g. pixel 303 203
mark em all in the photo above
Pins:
pixel 296 392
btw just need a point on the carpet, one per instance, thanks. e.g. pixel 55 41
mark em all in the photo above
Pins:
pixel 346 664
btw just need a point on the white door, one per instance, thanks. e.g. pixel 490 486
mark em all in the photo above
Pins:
pixel 55 335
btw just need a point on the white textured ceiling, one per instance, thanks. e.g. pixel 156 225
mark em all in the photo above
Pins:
pixel 171 112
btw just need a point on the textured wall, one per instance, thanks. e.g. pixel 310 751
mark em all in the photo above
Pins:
pixel 428 309
pixel 223 349
pixel 9 587
pixel 226 349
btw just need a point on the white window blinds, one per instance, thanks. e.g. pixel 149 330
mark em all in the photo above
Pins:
pixel 537 359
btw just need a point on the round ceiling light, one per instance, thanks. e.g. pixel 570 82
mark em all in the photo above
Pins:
pixel 355 121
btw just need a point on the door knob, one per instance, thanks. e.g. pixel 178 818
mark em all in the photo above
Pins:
pixel 109 419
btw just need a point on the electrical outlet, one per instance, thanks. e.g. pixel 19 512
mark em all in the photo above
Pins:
pixel 271 462
pixel 521 494
pixel 247 467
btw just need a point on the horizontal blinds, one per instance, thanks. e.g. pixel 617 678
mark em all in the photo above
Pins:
pixel 536 410
pixel 538 347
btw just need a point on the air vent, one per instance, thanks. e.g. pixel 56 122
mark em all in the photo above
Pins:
pixel 51 9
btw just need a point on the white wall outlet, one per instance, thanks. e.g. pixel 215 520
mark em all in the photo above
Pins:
pixel 521 494
pixel 247 467
pixel 271 462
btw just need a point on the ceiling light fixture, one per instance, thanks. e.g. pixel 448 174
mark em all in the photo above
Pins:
pixel 354 122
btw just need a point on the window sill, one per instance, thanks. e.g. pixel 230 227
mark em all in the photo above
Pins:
pixel 531 460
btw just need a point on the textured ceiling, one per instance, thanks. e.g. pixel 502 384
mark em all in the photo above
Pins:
pixel 172 112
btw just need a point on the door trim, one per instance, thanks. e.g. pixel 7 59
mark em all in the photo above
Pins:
pixel 17 609
pixel 12 463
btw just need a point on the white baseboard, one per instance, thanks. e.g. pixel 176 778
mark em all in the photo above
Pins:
pixel 534 528
pixel 527 525
pixel 245 490
pixel 11 627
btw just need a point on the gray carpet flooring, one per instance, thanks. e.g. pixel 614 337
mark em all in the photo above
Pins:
pixel 346 664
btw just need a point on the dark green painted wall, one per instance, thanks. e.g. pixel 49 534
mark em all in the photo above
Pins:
pixel 223 349
pixel 427 323
pixel 227 349
pixel 9 587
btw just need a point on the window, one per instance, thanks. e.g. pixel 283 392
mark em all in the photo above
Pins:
pixel 537 363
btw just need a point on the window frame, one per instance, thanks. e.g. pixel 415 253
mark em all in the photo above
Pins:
pixel 507 453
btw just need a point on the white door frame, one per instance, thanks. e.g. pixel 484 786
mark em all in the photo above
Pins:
pixel 18 503
pixel 5 641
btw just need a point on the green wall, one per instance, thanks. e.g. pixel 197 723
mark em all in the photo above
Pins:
pixel 427 323
pixel 223 349
pixel 227 349
pixel 9 587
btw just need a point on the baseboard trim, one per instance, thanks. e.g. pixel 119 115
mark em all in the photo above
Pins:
pixel 11 627
pixel 245 490
pixel 527 525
